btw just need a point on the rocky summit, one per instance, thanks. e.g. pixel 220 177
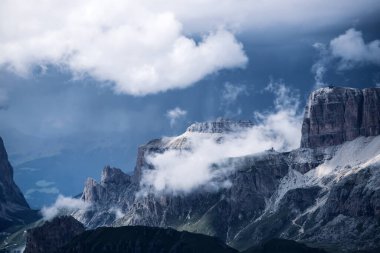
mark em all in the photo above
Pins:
pixel 335 115
pixel 326 194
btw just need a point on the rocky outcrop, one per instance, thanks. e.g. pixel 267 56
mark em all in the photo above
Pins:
pixel 354 197
pixel 219 126
pixel 13 207
pixel 350 217
pixel 334 115
pixel 138 239
pixel 114 193
pixel 52 235
pixel 105 191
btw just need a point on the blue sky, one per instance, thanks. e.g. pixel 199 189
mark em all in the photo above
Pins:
pixel 82 85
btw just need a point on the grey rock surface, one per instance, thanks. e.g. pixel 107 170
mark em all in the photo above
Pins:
pixel 13 207
pixel 335 115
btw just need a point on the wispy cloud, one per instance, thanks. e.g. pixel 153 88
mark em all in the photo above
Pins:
pixel 346 51
pixel 63 205
pixel 44 183
pixel 117 212
pixel 320 67
pixel 47 190
pixel 29 169
pixel 229 97
pixel 182 171
pixel 42 186
pixel 175 114
pixel 231 92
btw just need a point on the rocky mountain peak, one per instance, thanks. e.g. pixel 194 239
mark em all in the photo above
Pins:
pixel 6 171
pixel 111 179
pixel 221 125
pixel 334 115
pixel 3 152
pixel 114 175
pixel 91 191
pixel 12 201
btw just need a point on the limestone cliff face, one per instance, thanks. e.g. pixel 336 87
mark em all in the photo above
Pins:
pixel 13 206
pixel 335 115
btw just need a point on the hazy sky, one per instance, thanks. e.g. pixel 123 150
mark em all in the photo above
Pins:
pixel 84 83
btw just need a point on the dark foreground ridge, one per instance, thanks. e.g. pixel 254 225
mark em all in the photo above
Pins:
pixel 66 235
pixel 283 246
pixel 139 239
pixel 52 235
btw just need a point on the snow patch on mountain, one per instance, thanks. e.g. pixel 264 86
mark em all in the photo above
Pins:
pixel 346 159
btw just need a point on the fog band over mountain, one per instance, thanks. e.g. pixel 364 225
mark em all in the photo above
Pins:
pixel 200 164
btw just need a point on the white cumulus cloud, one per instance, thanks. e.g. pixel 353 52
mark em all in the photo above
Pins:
pixel 351 49
pixel 143 47
pixel 344 52
pixel 123 43
pixel 182 171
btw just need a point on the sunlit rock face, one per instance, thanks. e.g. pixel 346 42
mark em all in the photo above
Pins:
pixel 335 115
pixel 325 193
pixel 13 207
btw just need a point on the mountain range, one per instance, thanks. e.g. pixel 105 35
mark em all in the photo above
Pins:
pixel 325 194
